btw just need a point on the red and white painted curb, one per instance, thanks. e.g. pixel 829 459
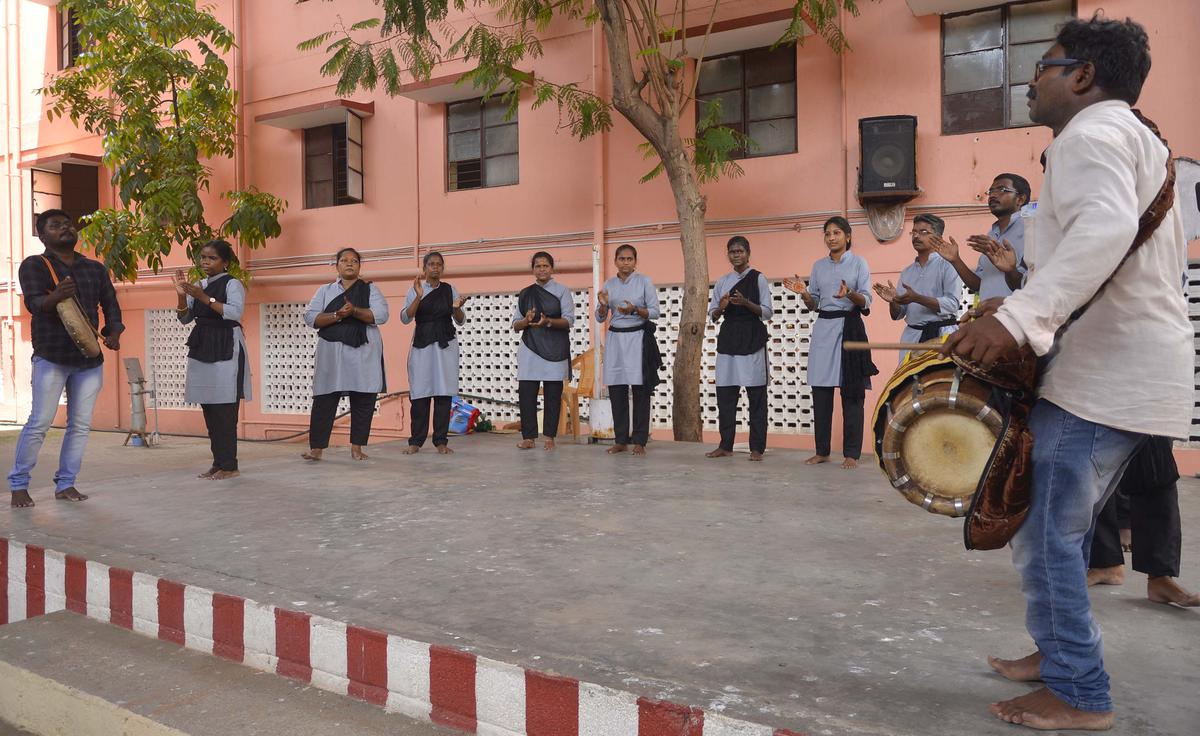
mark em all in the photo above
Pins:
pixel 428 682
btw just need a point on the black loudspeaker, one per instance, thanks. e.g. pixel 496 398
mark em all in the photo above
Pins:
pixel 888 148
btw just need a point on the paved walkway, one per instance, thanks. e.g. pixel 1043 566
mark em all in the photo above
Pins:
pixel 809 598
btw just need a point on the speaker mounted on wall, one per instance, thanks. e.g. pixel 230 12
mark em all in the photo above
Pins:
pixel 888 167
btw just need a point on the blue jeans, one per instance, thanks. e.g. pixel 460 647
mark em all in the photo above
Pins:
pixel 49 380
pixel 1076 467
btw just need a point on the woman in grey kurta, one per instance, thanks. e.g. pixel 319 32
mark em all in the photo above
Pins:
pixel 544 315
pixel 218 372
pixel 349 360
pixel 839 291
pixel 433 357
pixel 632 301
pixel 741 300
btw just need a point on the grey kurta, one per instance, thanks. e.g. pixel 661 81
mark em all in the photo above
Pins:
pixel 991 279
pixel 340 367
pixel 530 365
pixel 216 383
pixel 937 279
pixel 432 371
pixel 623 350
pixel 825 346
pixel 742 370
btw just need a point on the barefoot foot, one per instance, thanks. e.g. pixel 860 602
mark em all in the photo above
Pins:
pixel 1025 669
pixel 817 460
pixel 1164 589
pixel 525 445
pixel 1042 710
pixel 411 450
pixel 21 500
pixel 849 463
pixel 208 474
pixel 617 449
pixel 756 457
pixel 639 450
pixel 69 494
pixel 444 450
pixel 1106 575
pixel 357 453
pixel 225 474
pixel 549 444
pixel 313 455
pixel 719 452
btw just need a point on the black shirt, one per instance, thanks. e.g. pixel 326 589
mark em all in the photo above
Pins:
pixel 94 289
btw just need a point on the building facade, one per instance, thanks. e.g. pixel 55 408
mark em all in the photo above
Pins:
pixel 436 169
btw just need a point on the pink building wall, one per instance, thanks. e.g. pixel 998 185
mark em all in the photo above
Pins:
pixel 567 188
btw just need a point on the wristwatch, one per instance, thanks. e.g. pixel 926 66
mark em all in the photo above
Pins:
pixel 212 300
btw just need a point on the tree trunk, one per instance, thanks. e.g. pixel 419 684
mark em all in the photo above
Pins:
pixel 690 206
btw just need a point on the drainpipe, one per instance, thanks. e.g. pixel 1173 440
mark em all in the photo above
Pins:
pixel 417 177
pixel 239 145
pixel 16 229
pixel 598 203
pixel 845 122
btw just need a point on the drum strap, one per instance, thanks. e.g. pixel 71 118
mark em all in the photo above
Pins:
pixel 54 279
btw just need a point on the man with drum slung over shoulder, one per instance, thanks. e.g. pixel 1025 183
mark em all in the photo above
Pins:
pixel 57 362
pixel 1121 371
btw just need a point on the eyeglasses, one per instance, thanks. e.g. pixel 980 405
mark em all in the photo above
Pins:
pixel 997 191
pixel 1041 64
pixel 923 233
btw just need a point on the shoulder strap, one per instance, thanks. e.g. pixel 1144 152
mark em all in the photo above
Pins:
pixel 1147 223
pixel 50 268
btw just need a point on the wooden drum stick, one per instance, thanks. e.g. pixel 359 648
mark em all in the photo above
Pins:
pixel 915 346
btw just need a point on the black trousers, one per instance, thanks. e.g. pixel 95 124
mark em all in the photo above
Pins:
pixel 420 421
pixel 527 393
pixel 324 409
pixel 1155 531
pixel 852 422
pixel 727 406
pixel 619 398
pixel 221 421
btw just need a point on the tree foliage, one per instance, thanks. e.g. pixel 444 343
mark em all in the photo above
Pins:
pixel 152 83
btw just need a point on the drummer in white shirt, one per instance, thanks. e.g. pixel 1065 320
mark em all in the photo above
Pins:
pixel 1121 372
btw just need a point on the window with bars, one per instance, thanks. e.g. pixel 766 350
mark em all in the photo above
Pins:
pixel 988 58
pixel 756 90
pixel 69 47
pixel 481 145
pixel 74 189
pixel 333 164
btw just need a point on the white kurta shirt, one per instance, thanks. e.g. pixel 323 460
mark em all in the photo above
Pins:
pixel 1127 362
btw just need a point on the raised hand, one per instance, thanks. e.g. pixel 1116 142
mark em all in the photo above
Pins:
pixel 797 285
pixel 908 297
pixel 724 303
pixel 344 311
pixel 419 286
pixel 530 317
pixel 602 297
pixel 543 322
pixel 886 292
pixel 738 298
pixel 626 308
pixel 1004 257
pixel 982 244
pixel 842 292
pixel 461 300
pixel 179 281
pixel 947 249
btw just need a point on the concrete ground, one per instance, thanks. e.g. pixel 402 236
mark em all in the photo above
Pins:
pixel 810 598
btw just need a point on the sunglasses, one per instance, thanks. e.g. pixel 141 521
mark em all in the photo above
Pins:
pixel 1042 64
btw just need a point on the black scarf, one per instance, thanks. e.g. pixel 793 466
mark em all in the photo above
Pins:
pixel 352 331
pixel 548 344
pixel 211 340
pixel 652 360
pixel 742 331
pixel 435 318
pixel 857 367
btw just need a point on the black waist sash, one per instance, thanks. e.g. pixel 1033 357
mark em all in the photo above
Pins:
pixel 1151 468
pixel 932 330
pixel 651 358
pixel 857 367
pixel 435 318
pixel 211 340
pixel 351 331
pixel 548 344
pixel 742 331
